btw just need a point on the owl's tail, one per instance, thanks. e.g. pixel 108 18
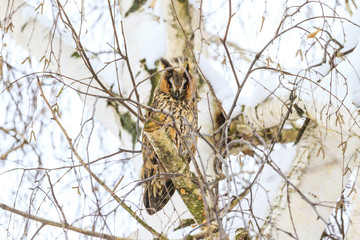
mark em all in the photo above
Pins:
pixel 155 200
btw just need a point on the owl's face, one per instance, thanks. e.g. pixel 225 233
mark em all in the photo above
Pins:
pixel 176 82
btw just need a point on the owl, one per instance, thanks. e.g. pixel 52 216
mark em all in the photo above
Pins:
pixel 176 94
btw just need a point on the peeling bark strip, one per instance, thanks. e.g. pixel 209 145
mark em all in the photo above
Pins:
pixel 169 157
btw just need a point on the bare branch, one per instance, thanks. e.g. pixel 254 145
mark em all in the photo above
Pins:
pixel 63 225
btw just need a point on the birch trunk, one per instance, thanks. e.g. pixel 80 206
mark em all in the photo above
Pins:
pixel 318 172
pixel 309 189
pixel 353 231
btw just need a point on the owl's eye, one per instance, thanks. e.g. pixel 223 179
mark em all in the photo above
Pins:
pixel 168 85
pixel 186 87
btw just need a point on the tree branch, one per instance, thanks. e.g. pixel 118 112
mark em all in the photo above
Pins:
pixel 97 179
pixel 173 163
pixel 64 225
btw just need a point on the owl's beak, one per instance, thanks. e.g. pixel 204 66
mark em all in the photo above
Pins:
pixel 177 94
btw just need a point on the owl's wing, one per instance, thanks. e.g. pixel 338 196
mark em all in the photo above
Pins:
pixel 158 190
pixel 155 121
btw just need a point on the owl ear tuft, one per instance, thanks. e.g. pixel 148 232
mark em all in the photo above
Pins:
pixel 165 63
pixel 187 64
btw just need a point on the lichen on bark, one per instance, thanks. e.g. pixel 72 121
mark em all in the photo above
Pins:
pixel 185 184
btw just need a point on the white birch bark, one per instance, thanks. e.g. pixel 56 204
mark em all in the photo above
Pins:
pixel 353 231
pixel 318 173
pixel 322 165
pixel 324 154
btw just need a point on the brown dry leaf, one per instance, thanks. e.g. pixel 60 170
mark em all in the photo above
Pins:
pixel 152 4
pixel 313 34
pixel 262 23
pixel 1 67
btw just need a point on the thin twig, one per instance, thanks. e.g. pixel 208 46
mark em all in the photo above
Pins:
pixel 117 199
pixel 63 225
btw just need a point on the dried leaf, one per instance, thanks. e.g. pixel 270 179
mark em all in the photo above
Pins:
pixel 31 135
pixel 262 23
pixel 41 6
pixel 1 67
pixel 268 61
pixel 26 59
pixel 60 92
pixel 9 27
pixel 78 190
pixel 152 4
pixel 313 34
pixel 299 52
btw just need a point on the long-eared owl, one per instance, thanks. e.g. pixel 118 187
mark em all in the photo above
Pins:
pixel 176 94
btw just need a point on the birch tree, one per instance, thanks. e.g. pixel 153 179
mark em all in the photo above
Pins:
pixel 277 155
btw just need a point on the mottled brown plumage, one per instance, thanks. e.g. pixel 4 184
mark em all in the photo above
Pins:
pixel 176 95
